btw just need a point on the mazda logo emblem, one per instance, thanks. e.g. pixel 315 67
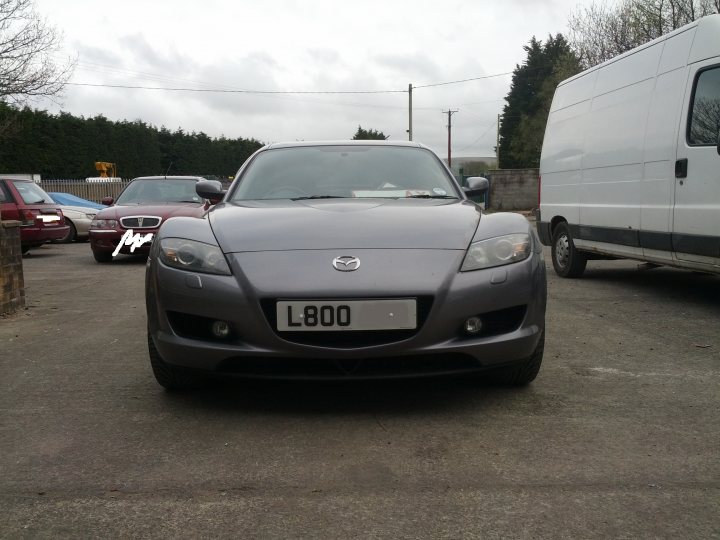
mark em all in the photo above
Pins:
pixel 346 263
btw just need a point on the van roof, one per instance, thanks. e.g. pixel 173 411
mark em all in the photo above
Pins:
pixel 709 25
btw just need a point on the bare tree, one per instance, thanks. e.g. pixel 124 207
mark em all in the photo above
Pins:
pixel 27 43
pixel 599 32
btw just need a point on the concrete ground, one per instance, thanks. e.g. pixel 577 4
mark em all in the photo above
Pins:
pixel 618 437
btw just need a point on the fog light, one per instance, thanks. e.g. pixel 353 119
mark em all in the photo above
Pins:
pixel 473 326
pixel 221 329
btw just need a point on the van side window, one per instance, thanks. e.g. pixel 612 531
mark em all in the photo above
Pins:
pixel 3 195
pixel 704 126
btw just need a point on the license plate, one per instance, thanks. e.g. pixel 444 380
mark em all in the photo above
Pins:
pixel 339 315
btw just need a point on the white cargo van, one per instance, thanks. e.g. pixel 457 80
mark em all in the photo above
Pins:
pixel 630 163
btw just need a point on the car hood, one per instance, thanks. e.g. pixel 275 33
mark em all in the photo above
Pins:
pixel 344 224
pixel 80 209
pixel 164 211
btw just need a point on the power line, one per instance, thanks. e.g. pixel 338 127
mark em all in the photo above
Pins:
pixel 125 73
pixel 224 91
pixel 463 80
pixel 479 138
pixel 239 91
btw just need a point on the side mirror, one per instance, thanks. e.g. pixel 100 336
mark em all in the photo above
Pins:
pixel 477 185
pixel 211 190
pixel 107 201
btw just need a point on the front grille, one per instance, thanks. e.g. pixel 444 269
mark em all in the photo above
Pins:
pixel 140 222
pixel 398 366
pixel 348 339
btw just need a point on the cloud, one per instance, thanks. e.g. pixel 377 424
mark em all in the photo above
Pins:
pixel 414 65
pixel 92 54
pixel 298 45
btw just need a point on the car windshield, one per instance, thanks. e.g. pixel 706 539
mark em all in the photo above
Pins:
pixel 344 171
pixel 159 191
pixel 31 193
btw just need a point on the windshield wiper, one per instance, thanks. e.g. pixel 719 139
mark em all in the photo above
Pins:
pixel 317 197
pixel 427 196
pixel 41 201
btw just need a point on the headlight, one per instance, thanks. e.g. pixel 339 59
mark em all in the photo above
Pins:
pixel 497 251
pixel 103 224
pixel 194 256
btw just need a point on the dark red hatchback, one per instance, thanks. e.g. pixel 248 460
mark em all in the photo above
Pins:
pixel 41 219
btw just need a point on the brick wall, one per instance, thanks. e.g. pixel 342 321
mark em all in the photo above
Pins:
pixel 12 285
pixel 513 189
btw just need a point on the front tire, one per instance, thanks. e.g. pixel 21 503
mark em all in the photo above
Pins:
pixel 102 256
pixel 568 262
pixel 167 376
pixel 70 236
pixel 523 373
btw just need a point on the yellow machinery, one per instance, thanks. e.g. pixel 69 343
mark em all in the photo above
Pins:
pixel 106 169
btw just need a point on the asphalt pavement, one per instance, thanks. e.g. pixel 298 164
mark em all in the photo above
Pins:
pixel 619 436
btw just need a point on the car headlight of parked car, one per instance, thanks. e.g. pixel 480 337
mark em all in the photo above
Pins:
pixel 195 256
pixel 498 251
pixel 103 223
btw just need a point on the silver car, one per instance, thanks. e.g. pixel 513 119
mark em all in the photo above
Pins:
pixel 79 219
pixel 78 213
pixel 360 259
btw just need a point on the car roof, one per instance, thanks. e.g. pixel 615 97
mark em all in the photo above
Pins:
pixel 295 144
pixel 196 178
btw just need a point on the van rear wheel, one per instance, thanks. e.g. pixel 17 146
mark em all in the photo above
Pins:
pixel 568 262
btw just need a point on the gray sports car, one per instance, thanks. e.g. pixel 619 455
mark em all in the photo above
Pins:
pixel 359 259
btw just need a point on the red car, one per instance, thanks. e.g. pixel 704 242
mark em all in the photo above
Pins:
pixel 130 224
pixel 41 219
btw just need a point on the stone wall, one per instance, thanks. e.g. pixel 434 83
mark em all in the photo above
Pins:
pixel 513 189
pixel 12 285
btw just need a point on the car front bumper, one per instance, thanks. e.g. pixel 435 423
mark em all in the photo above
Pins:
pixel 510 298
pixel 82 226
pixel 107 240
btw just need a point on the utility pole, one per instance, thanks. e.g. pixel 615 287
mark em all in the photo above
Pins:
pixel 410 112
pixel 497 143
pixel 449 128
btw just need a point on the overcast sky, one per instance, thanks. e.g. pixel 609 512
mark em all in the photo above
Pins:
pixel 295 45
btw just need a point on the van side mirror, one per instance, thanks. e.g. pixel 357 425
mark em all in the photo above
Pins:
pixel 476 185
pixel 211 190
pixel 107 201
